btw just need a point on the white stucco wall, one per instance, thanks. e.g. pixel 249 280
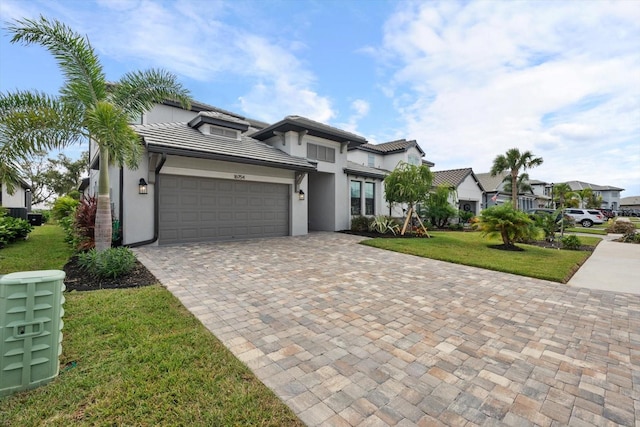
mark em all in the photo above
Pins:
pixel 15 200
pixel 166 114
pixel 468 190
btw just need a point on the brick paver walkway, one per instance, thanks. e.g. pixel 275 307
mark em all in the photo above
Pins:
pixel 348 335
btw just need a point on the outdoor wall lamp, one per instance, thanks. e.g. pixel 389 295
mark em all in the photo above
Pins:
pixel 301 195
pixel 142 186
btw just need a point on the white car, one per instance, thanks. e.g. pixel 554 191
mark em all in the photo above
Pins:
pixel 586 217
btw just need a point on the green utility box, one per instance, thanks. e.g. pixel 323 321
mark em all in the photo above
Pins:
pixel 30 328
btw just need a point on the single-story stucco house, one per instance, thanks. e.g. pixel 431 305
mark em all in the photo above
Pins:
pixel 208 174
pixel 21 198
pixel 468 192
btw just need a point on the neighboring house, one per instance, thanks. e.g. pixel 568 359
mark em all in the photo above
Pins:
pixel 610 195
pixel 495 194
pixel 378 160
pixel 208 174
pixel 632 202
pixel 542 192
pixel 21 197
pixel 469 193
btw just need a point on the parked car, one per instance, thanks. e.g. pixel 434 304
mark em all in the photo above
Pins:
pixel 586 217
pixel 607 213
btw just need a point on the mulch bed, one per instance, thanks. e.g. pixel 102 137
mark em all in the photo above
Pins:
pixel 77 279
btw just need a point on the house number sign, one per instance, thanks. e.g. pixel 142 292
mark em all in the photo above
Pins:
pixel 238 176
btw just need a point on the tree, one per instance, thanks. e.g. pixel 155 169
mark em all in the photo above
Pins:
pixel 87 107
pixel 512 225
pixel 53 177
pixel 564 195
pixel 514 161
pixel 408 184
pixel 522 184
pixel 437 207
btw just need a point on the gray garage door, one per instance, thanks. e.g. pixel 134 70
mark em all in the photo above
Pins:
pixel 196 209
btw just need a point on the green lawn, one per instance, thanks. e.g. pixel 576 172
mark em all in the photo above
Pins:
pixel 45 249
pixel 137 357
pixel 470 248
pixel 593 230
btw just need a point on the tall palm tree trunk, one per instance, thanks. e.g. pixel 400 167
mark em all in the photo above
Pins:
pixel 514 189
pixel 103 226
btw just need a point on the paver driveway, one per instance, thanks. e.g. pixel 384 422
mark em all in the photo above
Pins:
pixel 351 335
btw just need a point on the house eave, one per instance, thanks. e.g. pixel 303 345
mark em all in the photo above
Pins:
pixel 227 158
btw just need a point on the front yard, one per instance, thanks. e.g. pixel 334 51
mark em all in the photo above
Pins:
pixel 134 357
pixel 470 248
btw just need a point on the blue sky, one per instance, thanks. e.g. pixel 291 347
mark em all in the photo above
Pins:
pixel 468 80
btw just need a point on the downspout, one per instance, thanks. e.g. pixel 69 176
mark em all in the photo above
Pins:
pixel 121 208
pixel 156 207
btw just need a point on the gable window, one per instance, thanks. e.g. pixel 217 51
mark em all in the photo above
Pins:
pixel 414 160
pixel 322 153
pixel 356 198
pixel 369 198
pixel 228 133
pixel 371 160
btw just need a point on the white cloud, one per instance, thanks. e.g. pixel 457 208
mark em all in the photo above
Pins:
pixel 360 109
pixel 473 80
pixel 194 40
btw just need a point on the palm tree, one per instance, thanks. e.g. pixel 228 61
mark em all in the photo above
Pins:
pixel 87 107
pixel 522 183
pixel 514 161
pixel 563 194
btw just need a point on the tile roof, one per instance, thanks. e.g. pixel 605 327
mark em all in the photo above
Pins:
pixel 224 117
pixel 321 130
pixel 491 183
pixel 180 139
pixel 362 170
pixel 580 185
pixel 630 201
pixel 392 146
pixel 452 177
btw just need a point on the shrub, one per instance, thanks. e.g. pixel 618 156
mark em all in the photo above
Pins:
pixel 46 214
pixel 505 221
pixel 63 207
pixel 384 224
pixel 359 223
pixel 571 242
pixel 632 237
pixel 621 227
pixel 465 216
pixel 84 223
pixel 112 262
pixel 12 229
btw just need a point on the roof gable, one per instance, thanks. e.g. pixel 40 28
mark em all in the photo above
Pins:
pixel 397 146
pixel 452 177
pixel 313 128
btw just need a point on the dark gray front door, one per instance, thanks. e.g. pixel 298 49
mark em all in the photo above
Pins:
pixel 194 209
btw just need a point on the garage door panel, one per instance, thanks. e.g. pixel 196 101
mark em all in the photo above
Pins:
pixel 195 209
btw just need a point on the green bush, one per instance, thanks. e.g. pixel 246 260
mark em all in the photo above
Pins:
pixel 110 263
pixel 12 229
pixel 571 242
pixel 621 227
pixel 360 223
pixel 46 214
pixel 632 237
pixel 63 207
pixel 505 221
pixel 465 216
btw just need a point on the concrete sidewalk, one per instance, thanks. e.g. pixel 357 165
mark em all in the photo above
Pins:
pixel 613 266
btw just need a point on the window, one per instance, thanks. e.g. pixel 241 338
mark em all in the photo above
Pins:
pixel 369 198
pixel 322 153
pixel 356 198
pixel 229 133
pixel 371 160
pixel 414 160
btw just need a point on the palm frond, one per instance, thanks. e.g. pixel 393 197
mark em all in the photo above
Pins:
pixel 137 91
pixel 85 81
pixel 109 127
